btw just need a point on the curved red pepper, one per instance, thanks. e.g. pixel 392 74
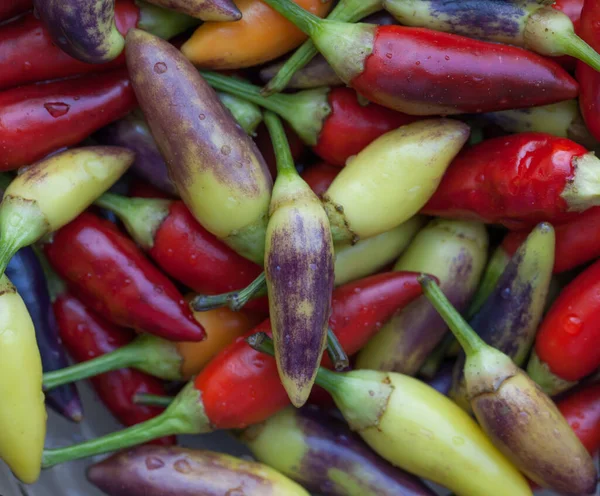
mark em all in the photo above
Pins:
pixel 241 386
pixel 320 176
pixel 514 180
pixel 582 411
pixel 577 241
pixel 114 278
pixel 568 336
pixel 41 118
pixel 350 126
pixel 28 55
pixel 425 72
pixel 190 254
pixel 589 79
pixel 86 336
pixel 10 8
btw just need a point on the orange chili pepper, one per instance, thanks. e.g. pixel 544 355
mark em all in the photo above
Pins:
pixel 259 36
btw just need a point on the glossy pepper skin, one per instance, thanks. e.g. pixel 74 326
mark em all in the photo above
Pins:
pixel 241 386
pixel 260 36
pixel 581 409
pixel 518 181
pixel 321 453
pixel 27 275
pixel 424 72
pixel 156 471
pixel 577 241
pixel 29 55
pixel 323 117
pixel 563 354
pixel 214 164
pixel 588 78
pixel 23 415
pixel 86 336
pixel 83 29
pixel 38 119
pixel 113 277
pixel 10 8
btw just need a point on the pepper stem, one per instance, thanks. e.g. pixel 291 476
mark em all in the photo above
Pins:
pixel 235 300
pixel 345 11
pixel 305 21
pixel 152 400
pixel 142 216
pixel 574 46
pixel 336 353
pixel 185 415
pixel 281 147
pixel 466 336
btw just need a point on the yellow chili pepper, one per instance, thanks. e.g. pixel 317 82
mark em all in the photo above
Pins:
pixel 22 410
pixel 259 36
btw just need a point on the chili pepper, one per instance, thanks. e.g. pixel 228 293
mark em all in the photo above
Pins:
pixel 299 265
pixel 392 178
pixel 581 410
pixel 577 242
pixel 42 118
pixel 138 188
pixel 455 252
pixel 373 254
pixel 424 72
pixel 517 181
pixel 22 414
pixel 51 193
pixel 323 118
pixel 215 166
pixel 260 36
pixel 84 30
pixel 28 278
pixel 29 54
pixel 561 119
pixel 320 176
pixel 588 78
pixel 531 24
pixel 112 276
pixel 207 10
pixel 441 380
pixel 298 72
pixel 11 8
pixel 510 316
pixel 522 422
pixel 182 248
pixel 157 356
pixel 156 471
pixel 562 353
pixel 323 455
pixel 87 336
pixel 241 386
pixel 415 428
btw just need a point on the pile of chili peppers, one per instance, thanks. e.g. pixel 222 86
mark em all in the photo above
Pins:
pixel 385 277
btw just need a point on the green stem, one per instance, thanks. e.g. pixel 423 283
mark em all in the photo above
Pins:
pixel 152 400
pixel 345 11
pixel 247 114
pixel 305 21
pixel 574 46
pixel 466 336
pixel 185 415
pixel 235 300
pixel 281 147
pixel 336 352
pixel 163 23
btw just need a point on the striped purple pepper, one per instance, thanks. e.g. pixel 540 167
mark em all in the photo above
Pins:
pixel 207 10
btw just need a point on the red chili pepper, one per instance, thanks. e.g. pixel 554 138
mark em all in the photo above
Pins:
pixel 87 336
pixel 320 176
pixel 241 386
pixel 139 188
pixel 519 181
pixel 28 55
pixel 577 241
pixel 565 347
pixel 589 79
pixel 10 8
pixel 38 119
pixel 582 411
pixel 423 72
pixel 111 275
